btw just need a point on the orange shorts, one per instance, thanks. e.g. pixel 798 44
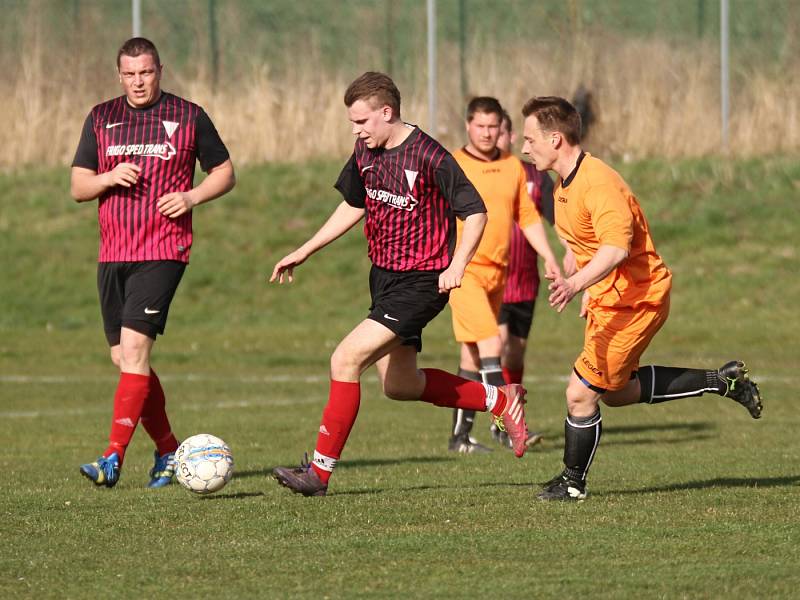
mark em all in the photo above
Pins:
pixel 615 340
pixel 476 304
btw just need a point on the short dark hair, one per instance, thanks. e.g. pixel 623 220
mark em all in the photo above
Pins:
pixel 374 86
pixel 484 104
pixel 137 46
pixel 507 121
pixel 555 114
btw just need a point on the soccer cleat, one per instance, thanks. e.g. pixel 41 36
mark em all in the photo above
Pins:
pixel 464 444
pixel 563 488
pixel 501 437
pixel 512 421
pixel 163 470
pixel 740 388
pixel 103 471
pixel 301 480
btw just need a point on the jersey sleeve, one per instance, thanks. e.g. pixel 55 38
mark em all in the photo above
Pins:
pixel 86 154
pixel 457 189
pixel 525 212
pixel 350 184
pixel 211 151
pixel 611 215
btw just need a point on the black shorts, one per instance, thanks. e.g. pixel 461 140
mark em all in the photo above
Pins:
pixel 137 295
pixel 518 316
pixel 405 302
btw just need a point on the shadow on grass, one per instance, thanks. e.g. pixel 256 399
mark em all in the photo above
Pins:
pixel 719 482
pixel 384 462
pixel 236 496
pixel 359 462
pixel 689 427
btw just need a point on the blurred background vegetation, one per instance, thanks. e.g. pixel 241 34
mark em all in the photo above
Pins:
pixel 272 73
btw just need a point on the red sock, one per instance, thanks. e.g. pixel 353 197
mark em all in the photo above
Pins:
pixel 337 420
pixel 132 391
pixel 512 376
pixel 154 418
pixel 445 389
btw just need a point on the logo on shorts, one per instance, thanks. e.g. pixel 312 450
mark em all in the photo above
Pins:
pixel 386 316
pixel 591 367
pixel 151 311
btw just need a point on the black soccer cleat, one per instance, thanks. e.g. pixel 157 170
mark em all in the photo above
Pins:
pixel 563 488
pixel 464 444
pixel 301 480
pixel 740 388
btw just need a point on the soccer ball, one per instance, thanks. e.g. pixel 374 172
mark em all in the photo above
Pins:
pixel 205 463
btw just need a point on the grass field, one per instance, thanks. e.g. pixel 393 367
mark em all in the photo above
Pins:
pixel 691 499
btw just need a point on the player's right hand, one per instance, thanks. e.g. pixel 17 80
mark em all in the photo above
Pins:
pixel 124 174
pixel 286 265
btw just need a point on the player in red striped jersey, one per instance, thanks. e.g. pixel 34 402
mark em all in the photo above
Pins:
pixel 137 156
pixel 409 190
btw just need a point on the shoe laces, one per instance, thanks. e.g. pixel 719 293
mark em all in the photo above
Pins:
pixel 500 424
pixel 305 464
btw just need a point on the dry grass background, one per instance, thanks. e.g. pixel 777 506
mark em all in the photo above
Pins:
pixel 654 97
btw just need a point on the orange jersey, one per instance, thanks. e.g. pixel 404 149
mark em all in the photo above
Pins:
pixel 503 186
pixel 596 207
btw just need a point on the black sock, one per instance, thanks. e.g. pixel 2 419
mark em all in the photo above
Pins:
pixel 491 371
pixel 661 384
pixel 464 419
pixel 581 437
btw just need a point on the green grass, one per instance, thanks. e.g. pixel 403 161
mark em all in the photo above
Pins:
pixel 690 499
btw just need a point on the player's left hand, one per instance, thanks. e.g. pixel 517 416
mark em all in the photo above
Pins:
pixel 450 279
pixel 174 204
pixel 561 292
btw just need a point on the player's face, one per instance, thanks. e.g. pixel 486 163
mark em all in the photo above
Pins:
pixel 483 131
pixel 140 77
pixel 370 123
pixel 506 138
pixel 539 145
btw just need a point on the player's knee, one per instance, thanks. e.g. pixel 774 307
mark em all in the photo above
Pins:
pixel 343 365
pixel 134 355
pixel 115 356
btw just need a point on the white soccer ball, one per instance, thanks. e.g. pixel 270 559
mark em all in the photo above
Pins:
pixel 205 463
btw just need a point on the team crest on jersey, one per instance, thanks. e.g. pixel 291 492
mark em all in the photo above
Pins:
pixel 163 151
pixel 170 126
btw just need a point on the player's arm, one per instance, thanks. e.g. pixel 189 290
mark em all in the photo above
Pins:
pixel 527 216
pixel 471 235
pixel 603 262
pixel 220 181
pixel 85 183
pixel 342 219
pixel 214 160
pixel 613 224
pixel 468 206
pixel 537 238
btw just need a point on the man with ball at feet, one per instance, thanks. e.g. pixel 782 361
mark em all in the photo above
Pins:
pixel 409 190
pixel 137 156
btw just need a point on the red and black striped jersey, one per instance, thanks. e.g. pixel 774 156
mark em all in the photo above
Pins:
pixel 412 195
pixel 522 282
pixel 165 140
